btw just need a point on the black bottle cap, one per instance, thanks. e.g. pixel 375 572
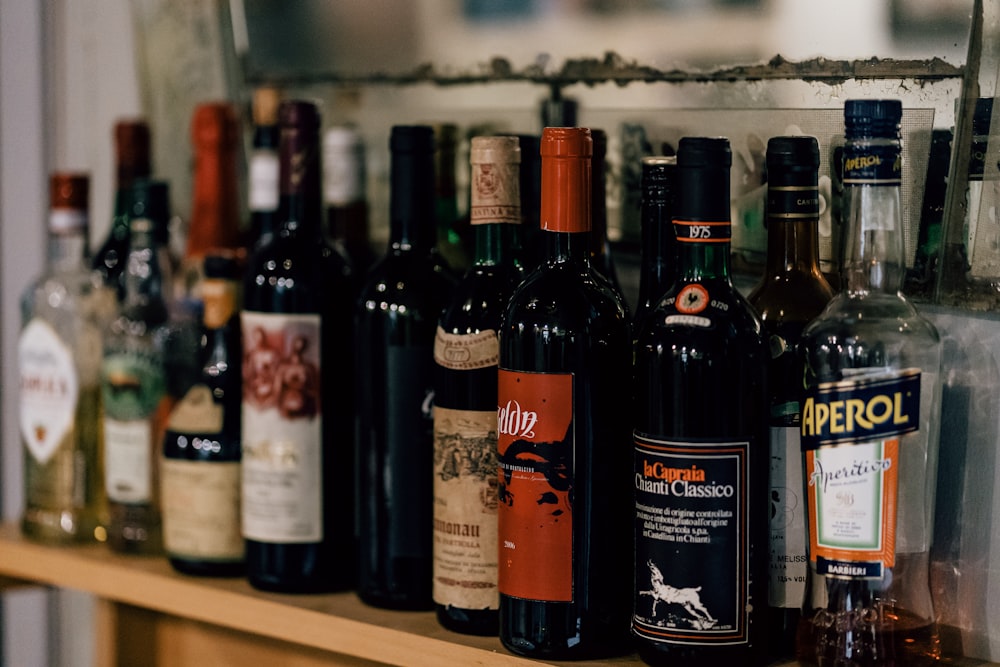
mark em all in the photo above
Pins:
pixel 703 165
pixel 792 160
pixel 411 139
pixel 872 118
pixel 299 114
pixel 704 152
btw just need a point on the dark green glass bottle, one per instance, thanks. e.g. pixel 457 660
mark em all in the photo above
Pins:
pixel 700 443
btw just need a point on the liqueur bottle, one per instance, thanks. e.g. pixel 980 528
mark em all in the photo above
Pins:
pixel 131 139
pixel 700 443
pixel 658 262
pixel 600 247
pixel 134 384
pixel 449 239
pixel 64 313
pixel 397 317
pixel 262 186
pixel 565 355
pixel 466 352
pixel 200 465
pixel 215 207
pixel 297 408
pixel 344 196
pixel 870 421
pixel 791 293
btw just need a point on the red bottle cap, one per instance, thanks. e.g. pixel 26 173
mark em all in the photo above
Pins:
pixel 566 174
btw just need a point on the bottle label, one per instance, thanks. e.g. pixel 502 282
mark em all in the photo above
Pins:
pixel 692 541
pixel 343 177
pixel 496 196
pixel 466 352
pixel 282 428
pixel 850 439
pixel 793 202
pixel 535 510
pixel 133 389
pixel 128 470
pixel 701 231
pixel 263 179
pixel 201 509
pixel 67 221
pixel 49 389
pixel 465 508
pixel 787 537
pixel 880 165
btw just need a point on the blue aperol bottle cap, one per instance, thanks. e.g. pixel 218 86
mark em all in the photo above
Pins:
pixel 872 118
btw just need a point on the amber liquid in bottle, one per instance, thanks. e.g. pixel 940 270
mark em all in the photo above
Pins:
pixel 562 418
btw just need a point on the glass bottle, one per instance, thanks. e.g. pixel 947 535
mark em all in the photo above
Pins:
pixel 200 468
pixel 791 293
pixel 64 313
pixel 449 240
pixel 658 261
pixel 215 206
pixel 397 317
pixel 344 197
pixel 466 352
pixel 565 355
pixel 262 177
pixel 531 188
pixel 870 421
pixel 298 407
pixel 132 161
pixel 134 382
pixel 700 443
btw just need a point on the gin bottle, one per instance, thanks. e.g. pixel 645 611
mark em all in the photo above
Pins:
pixel 869 429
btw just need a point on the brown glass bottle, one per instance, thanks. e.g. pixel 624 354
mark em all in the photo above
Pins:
pixel 132 161
pixel 791 293
pixel 298 403
pixel 563 406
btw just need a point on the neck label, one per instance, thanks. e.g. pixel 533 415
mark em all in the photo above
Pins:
pixel 872 165
pixel 689 231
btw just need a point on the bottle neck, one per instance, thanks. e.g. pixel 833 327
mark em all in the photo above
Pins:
pixel 411 201
pixel 874 259
pixel 146 274
pixel 703 261
pixel 496 244
pixel 220 297
pixel 658 251
pixel 792 247
pixel 67 245
pixel 215 203
pixel 300 198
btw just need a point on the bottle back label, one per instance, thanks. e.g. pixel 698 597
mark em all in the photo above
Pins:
pixel 128 460
pixel 692 542
pixel 850 439
pixel 282 428
pixel 465 508
pixel 201 509
pixel 535 510
pixel 467 352
pixel 49 389
pixel 787 577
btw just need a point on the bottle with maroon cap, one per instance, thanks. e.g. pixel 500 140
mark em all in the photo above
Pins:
pixel 565 564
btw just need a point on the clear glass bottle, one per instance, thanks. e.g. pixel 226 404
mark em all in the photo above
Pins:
pixel 466 352
pixel 791 293
pixel 64 313
pixel 700 452
pixel 869 429
pixel 134 381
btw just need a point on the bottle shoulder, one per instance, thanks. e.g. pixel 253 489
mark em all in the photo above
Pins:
pixel 404 281
pixel 790 298
pixel 871 314
pixel 564 290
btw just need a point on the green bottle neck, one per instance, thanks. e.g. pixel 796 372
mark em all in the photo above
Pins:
pixel 496 244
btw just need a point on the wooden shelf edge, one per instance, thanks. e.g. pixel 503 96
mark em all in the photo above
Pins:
pixel 400 638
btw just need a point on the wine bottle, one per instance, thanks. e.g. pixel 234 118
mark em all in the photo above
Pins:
pixel 134 383
pixel 791 293
pixel 658 261
pixel 533 251
pixel 466 352
pixel 132 161
pixel 215 209
pixel 870 428
pixel 701 453
pixel 263 190
pixel 565 355
pixel 344 197
pixel 200 465
pixel 297 408
pixel 450 244
pixel 64 314
pixel 398 312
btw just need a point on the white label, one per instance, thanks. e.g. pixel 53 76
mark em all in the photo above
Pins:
pixel 201 509
pixel 282 428
pixel 49 389
pixel 788 541
pixel 263 179
pixel 128 470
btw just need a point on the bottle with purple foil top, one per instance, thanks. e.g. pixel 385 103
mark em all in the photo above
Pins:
pixel 869 429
